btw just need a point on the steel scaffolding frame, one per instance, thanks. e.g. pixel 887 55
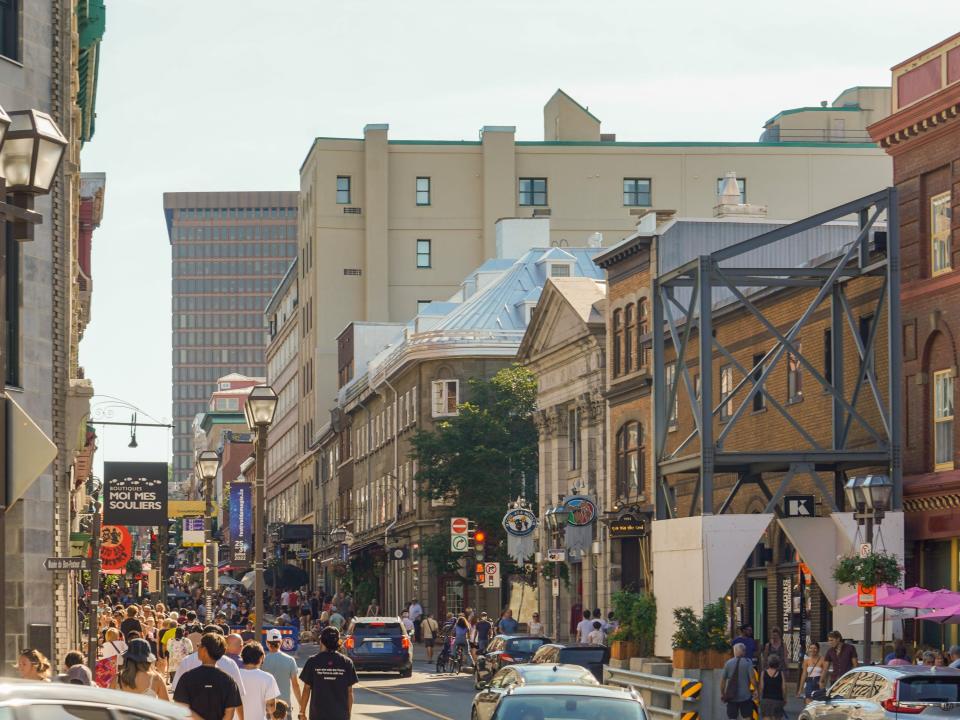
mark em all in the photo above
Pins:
pixel 868 255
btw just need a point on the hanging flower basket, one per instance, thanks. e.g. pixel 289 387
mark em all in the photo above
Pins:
pixel 875 569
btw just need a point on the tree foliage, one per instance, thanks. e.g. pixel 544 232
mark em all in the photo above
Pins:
pixel 481 459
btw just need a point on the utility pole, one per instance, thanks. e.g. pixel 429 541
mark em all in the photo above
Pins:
pixel 209 561
pixel 93 619
pixel 868 611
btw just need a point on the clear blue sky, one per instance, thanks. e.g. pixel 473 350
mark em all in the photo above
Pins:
pixel 228 94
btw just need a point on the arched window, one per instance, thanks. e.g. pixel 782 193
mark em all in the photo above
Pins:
pixel 630 320
pixel 617 341
pixel 643 329
pixel 630 459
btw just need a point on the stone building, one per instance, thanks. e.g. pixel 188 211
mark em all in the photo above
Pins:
pixel 923 137
pixel 564 346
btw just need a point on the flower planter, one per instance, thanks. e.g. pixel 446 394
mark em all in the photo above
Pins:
pixel 715 659
pixel 686 659
pixel 624 649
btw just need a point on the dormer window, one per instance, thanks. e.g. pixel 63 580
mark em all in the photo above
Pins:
pixel 559 269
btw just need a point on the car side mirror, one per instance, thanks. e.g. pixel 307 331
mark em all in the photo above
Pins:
pixel 820 694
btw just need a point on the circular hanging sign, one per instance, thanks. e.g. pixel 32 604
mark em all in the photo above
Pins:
pixel 581 510
pixel 520 522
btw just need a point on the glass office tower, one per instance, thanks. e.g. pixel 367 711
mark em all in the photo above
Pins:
pixel 229 251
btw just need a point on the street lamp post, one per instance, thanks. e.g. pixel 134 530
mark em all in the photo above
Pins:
pixel 869 495
pixel 259 411
pixel 208 463
pixel 555 519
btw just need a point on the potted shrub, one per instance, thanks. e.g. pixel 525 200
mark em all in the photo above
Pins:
pixel 688 639
pixel 877 568
pixel 713 625
pixel 636 614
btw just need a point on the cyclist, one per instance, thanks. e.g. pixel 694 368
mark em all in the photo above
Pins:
pixel 461 644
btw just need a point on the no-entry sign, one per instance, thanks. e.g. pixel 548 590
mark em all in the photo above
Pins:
pixel 458 526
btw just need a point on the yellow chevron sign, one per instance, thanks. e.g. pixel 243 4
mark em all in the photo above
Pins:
pixel 690 715
pixel 690 689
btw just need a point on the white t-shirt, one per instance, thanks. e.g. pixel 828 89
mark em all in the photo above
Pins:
pixel 259 687
pixel 285 598
pixel 596 637
pixel 407 624
pixel 416 610
pixel 584 628
pixel 115 647
pixel 193 661
pixel 178 650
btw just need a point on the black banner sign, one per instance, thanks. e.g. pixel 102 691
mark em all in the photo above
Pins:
pixel 135 493
pixel 627 526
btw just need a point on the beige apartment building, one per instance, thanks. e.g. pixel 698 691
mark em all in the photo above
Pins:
pixel 386 225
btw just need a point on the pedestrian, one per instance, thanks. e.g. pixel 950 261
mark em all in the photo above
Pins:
pixel 612 623
pixel 137 675
pixel 507 625
pixel 195 660
pixel 178 647
pixel 810 672
pixel 745 638
pixel 898 643
pixel 838 660
pixel 328 679
pixel 900 657
pixel 131 622
pixel 337 620
pixel 416 616
pixel 407 623
pixel 773 647
pixel 282 667
pixel 260 688
pixel 234 647
pixel 373 609
pixel 584 628
pixel 596 636
pixel 955 656
pixel 535 627
pixel 74 671
pixel 33 665
pixel 208 692
pixel 482 631
pixel 735 688
pixel 429 629
pixel 461 643
pixel 772 700
pixel 280 710
pixel 110 657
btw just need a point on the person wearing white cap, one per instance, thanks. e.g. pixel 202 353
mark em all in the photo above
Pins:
pixel 281 666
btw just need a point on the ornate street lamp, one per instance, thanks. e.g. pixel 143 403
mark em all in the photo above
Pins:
pixel 208 464
pixel 338 535
pixel 259 409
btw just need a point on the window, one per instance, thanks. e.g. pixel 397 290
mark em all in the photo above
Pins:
pixel 628 335
pixel 943 420
pixel 636 192
pixel 445 397
pixel 573 437
pixel 759 401
pixel 669 373
pixel 423 191
pixel 643 329
pixel 10 29
pixel 940 245
pixel 533 191
pixel 559 270
pixel 423 254
pixel 617 340
pixel 421 305
pixel 343 189
pixel 794 378
pixel 741 184
pixel 629 459
pixel 726 386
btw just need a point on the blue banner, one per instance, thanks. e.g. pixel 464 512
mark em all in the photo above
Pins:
pixel 241 529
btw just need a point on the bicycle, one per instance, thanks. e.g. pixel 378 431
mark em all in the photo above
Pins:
pixel 444 656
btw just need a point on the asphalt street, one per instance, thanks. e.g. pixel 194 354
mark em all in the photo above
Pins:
pixel 425 696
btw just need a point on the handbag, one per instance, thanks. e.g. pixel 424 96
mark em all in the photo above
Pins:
pixel 729 693
pixel 106 669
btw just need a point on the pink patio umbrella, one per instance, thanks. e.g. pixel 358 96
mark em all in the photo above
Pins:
pixel 906 598
pixel 938 600
pixel 944 615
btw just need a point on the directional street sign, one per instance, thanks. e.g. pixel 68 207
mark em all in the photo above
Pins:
pixel 798 506
pixel 459 537
pixel 491 573
pixel 66 563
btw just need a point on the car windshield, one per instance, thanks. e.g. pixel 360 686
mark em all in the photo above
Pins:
pixel 567 707
pixel 582 655
pixel 929 689
pixel 377 629
pixel 524 645
pixel 538 674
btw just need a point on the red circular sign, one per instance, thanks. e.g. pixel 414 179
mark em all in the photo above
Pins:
pixel 458 525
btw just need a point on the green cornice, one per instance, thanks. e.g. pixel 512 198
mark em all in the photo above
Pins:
pixel 91 25
pixel 818 108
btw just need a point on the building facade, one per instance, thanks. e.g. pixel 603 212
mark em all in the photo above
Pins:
pixel 229 251
pixel 922 135
pixel 398 223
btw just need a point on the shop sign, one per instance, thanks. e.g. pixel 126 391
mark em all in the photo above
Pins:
pixel 520 522
pixel 628 526
pixel 135 493
pixel 193 532
pixel 581 510
pixel 116 548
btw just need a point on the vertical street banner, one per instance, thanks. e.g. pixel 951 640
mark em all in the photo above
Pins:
pixel 241 528
pixel 135 493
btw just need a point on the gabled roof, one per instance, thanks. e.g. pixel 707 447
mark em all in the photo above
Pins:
pixel 585 296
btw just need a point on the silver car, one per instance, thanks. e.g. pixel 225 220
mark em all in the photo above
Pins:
pixel 878 692
pixel 60 701
pixel 512 676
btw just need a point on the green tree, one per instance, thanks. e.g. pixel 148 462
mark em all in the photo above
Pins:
pixel 482 458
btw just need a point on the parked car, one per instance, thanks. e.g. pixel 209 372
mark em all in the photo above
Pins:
pixel 569 702
pixel 592 657
pixel 875 691
pixel 513 676
pixel 379 643
pixel 61 701
pixel 505 650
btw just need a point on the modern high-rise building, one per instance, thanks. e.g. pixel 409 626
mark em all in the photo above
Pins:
pixel 229 251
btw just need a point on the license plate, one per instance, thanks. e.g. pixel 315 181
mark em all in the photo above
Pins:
pixel 377 645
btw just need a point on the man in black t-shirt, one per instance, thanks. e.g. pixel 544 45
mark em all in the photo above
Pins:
pixel 131 623
pixel 207 690
pixel 328 679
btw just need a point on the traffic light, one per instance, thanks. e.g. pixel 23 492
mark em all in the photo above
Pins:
pixel 479 537
pixel 154 547
pixel 480 572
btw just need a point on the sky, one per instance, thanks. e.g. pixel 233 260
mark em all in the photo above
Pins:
pixel 217 95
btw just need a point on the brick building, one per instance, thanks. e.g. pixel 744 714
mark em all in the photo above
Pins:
pixel 923 137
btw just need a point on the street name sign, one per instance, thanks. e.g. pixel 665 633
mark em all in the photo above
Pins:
pixel 798 506
pixel 459 537
pixel 66 563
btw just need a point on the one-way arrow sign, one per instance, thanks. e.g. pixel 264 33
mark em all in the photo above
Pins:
pixel 66 563
pixel 798 506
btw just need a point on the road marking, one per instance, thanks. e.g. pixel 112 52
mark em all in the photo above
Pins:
pixel 406 702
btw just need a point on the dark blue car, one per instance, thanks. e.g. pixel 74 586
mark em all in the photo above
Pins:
pixel 379 644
